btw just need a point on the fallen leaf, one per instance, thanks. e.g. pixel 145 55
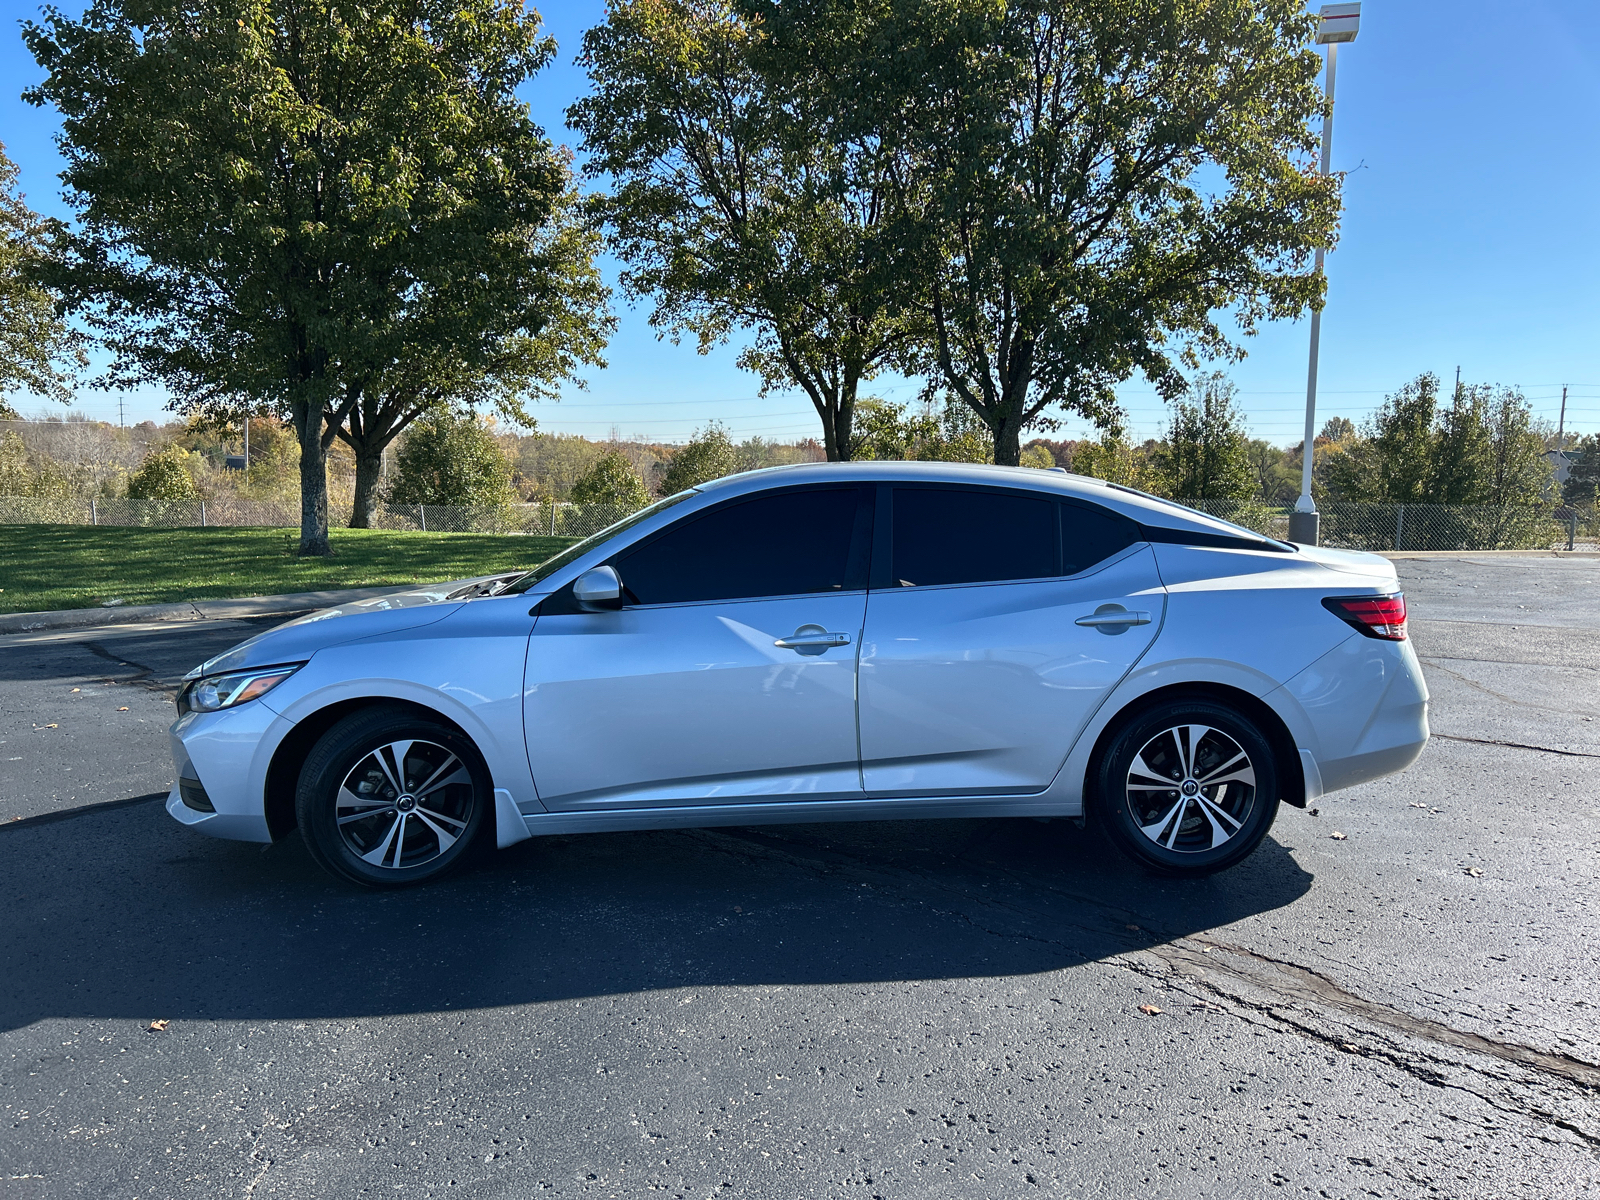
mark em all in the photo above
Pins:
pixel 1350 1046
pixel 52 725
pixel 124 708
pixel 1149 1010
pixel 76 690
pixel 1475 871
pixel 1337 836
pixel 1414 804
pixel 1316 812
pixel 157 1026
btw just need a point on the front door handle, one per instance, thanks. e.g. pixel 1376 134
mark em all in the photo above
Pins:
pixel 812 639
pixel 1108 615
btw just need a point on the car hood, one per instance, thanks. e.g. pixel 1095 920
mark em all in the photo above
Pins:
pixel 299 639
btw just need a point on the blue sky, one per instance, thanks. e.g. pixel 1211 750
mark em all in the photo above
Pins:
pixel 1469 235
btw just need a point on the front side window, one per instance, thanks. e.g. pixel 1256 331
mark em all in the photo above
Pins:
pixel 573 553
pixel 788 544
pixel 966 535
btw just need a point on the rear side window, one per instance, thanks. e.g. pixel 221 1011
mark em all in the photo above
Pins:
pixel 964 535
pixel 779 545
pixel 1090 535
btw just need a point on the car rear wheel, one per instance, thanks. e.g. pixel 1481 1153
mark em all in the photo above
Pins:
pixel 1187 788
pixel 389 798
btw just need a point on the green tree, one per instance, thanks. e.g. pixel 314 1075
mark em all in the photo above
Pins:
pixel 39 352
pixel 1392 460
pixel 1582 485
pixel 1518 473
pixel 1207 452
pixel 1276 471
pixel 709 455
pixel 163 475
pixel 1463 450
pixel 451 459
pixel 612 481
pixel 741 199
pixel 1037 457
pixel 950 433
pixel 310 207
pixel 1089 184
pixel 1114 459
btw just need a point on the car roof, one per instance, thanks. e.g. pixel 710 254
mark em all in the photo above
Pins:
pixel 1139 506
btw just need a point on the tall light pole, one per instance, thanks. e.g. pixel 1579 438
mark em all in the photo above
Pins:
pixel 1339 24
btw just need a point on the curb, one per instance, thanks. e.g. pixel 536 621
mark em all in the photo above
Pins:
pixel 1489 553
pixel 192 610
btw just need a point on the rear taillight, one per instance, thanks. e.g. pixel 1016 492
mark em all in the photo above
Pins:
pixel 1375 616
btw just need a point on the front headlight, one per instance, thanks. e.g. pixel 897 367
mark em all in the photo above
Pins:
pixel 213 692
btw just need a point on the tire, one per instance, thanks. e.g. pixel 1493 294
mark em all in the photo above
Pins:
pixel 358 819
pixel 1217 809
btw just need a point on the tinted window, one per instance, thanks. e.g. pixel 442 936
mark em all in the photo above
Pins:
pixel 572 553
pixel 779 545
pixel 1090 535
pixel 959 535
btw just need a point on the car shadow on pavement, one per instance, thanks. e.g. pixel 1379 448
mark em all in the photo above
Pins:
pixel 121 913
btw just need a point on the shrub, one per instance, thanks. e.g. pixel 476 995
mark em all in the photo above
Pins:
pixel 611 481
pixel 164 475
pixel 450 459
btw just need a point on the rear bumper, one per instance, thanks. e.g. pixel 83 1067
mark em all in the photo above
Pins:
pixel 1366 706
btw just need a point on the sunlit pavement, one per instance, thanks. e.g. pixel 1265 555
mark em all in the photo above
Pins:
pixel 961 1009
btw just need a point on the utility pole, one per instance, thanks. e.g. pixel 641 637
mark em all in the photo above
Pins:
pixel 1561 426
pixel 247 441
pixel 120 421
pixel 1339 23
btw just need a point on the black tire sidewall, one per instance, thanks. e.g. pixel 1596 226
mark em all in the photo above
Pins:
pixel 1110 806
pixel 331 760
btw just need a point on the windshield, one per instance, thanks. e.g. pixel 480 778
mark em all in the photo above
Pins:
pixel 572 553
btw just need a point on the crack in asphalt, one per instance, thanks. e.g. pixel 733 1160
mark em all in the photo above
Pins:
pixel 1488 691
pixel 1292 983
pixel 1456 737
pixel 145 677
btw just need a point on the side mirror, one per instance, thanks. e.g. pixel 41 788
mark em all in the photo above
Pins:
pixel 598 589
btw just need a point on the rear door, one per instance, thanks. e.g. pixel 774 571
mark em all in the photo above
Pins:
pixel 997 622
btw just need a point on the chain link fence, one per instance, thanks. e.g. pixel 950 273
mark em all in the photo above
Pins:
pixel 1351 526
pixel 1390 528
pixel 550 519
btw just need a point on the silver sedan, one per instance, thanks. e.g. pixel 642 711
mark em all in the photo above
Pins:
pixel 824 642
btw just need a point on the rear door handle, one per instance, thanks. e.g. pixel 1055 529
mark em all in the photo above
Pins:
pixel 1119 616
pixel 812 637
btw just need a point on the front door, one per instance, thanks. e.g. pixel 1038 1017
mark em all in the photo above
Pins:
pixel 729 676
pixel 1001 622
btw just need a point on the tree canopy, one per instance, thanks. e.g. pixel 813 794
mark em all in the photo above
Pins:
pixel 1207 454
pixel 740 200
pixel 709 455
pixel 39 351
pixel 613 481
pixel 300 206
pixel 451 459
pixel 1089 185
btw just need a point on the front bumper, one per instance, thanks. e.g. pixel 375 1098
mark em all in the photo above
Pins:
pixel 227 753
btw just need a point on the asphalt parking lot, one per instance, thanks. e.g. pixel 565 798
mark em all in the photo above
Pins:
pixel 1398 997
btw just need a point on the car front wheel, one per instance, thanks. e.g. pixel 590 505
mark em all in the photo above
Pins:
pixel 389 798
pixel 1187 788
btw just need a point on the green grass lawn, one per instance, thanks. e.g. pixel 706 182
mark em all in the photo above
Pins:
pixel 46 567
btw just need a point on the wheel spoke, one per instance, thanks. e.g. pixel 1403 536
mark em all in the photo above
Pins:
pixel 1158 781
pixel 376 856
pixel 1167 823
pixel 1216 773
pixel 459 775
pixel 396 778
pixel 1223 826
pixel 349 799
pixel 1188 753
pixel 438 816
pixel 1245 774
pixel 446 839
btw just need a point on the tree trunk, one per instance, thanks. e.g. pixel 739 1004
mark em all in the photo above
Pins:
pixel 369 475
pixel 313 483
pixel 1008 438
